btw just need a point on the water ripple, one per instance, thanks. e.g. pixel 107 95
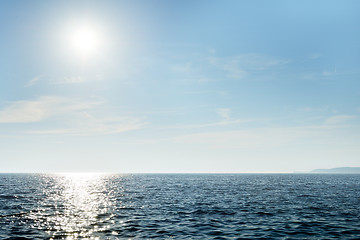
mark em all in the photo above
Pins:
pixel 248 206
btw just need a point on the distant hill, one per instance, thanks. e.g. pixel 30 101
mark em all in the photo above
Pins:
pixel 338 170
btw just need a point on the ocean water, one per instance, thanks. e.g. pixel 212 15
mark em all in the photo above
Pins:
pixel 179 206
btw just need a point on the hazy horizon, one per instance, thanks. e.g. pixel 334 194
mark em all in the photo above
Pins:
pixel 313 171
pixel 179 86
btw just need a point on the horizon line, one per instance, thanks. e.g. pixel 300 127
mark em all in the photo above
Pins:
pixel 92 172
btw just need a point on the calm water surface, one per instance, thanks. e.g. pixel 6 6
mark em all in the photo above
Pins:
pixel 179 206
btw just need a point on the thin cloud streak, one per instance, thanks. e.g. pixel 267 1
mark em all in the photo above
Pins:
pixel 74 116
pixel 34 80
pixel 93 128
pixel 239 66
pixel 214 124
pixel 26 111
pixel 260 138
pixel 339 119
pixel 224 113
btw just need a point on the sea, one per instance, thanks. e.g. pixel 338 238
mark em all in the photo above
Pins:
pixel 179 206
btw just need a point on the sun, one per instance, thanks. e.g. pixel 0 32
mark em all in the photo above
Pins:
pixel 84 40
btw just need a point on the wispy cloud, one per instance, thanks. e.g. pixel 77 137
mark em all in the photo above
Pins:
pixel 87 126
pixel 76 79
pixel 71 80
pixel 26 111
pixel 329 73
pixel 314 56
pixel 317 109
pixel 224 113
pixel 61 115
pixel 235 67
pixel 239 66
pixel 203 92
pixel 339 119
pixel 34 80
pixel 182 68
pixel 213 124
pixel 256 138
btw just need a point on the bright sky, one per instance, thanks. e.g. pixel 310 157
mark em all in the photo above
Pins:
pixel 179 86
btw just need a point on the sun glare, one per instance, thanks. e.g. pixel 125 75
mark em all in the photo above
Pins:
pixel 84 40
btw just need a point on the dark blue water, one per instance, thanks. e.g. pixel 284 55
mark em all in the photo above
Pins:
pixel 240 206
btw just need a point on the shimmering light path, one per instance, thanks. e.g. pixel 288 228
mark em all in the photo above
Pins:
pixel 79 201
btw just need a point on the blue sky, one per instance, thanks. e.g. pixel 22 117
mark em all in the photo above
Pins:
pixel 179 86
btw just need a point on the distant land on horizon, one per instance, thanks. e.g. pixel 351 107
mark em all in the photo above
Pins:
pixel 338 170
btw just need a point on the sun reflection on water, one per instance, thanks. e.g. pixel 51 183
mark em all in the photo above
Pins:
pixel 82 206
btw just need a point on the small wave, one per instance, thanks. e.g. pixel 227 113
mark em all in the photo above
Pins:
pixel 14 214
pixel 213 212
pixel 265 213
pixel 10 196
pixel 351 232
